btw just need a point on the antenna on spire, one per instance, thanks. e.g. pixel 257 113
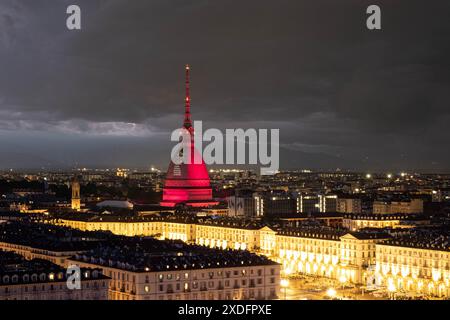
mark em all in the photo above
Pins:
pixel 187 103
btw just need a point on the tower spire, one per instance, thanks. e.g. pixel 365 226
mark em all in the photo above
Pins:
pixel 187 103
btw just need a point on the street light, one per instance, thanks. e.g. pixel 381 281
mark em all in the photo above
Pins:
pixel 342 280
pixel 392 289
pixel 331 292
pixel 284 284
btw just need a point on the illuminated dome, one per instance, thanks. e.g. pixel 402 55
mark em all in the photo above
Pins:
pixel 188 184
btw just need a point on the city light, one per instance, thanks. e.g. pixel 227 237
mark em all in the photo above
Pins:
pixel 94 206
pixel 343 280
pixel 331 292
pixel 391 288
pixel 284 283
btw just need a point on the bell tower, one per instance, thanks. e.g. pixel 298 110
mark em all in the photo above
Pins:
pixel 76 200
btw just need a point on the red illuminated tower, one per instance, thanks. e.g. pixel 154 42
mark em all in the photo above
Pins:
pixel 189 183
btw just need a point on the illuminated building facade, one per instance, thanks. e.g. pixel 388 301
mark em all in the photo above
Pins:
pixel 233 283
pixel 165 272
pixel 407 206
pixel 341 256
pixel 414 270
pixel 307 203
pixel 321 246
pixel 188 183
pixel 327 202
pixel 349 257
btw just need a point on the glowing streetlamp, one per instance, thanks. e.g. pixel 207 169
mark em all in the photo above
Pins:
pixel 391 288
pixel 343 280
pixel 284 284
pixel 368 176
pixel 331 292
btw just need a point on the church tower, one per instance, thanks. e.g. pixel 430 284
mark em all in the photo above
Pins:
pixel 76 200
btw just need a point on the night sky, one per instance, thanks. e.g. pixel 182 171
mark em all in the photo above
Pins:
pixel 341 95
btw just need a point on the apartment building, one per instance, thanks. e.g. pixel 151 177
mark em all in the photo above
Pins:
pixel 164 270
pixel 36 279
pixel 416 264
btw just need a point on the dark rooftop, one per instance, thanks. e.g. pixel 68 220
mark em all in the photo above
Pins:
pixel 388 216
pixel 14 269
pixel 148 254
pixel 317 232
pixel 426 238
pixel 176 218
pixel 49 237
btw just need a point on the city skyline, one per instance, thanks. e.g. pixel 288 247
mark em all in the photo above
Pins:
pixel 110 94
pixel 213 158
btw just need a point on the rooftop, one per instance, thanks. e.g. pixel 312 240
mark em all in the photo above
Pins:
pixel 175 218
pixel 148 254
pixel 49 237
pixel 317 232
pixel 14 270
pixel 388 216
pixel 433 239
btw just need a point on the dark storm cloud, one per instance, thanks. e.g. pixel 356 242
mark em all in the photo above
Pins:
pixel 342 96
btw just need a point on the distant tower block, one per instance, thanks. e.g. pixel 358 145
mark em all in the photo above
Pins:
pixel 76 201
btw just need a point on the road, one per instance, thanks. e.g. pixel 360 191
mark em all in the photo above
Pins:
pixel 309 288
